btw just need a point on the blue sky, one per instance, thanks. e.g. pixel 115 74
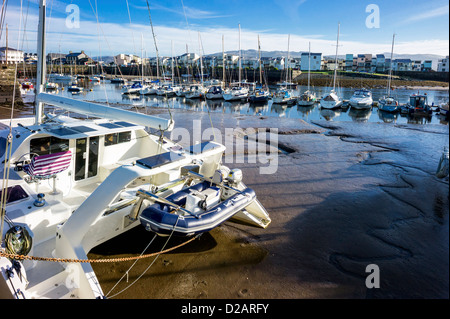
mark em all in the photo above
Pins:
pixel 420 26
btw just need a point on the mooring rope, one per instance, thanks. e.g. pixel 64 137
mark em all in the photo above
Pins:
pixel 107 260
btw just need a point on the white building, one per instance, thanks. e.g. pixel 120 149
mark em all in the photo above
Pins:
pixel 10 55
pixel 316 61
pixel 126 59
pixel 443 65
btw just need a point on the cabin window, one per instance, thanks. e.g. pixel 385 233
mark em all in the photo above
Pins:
pixel 117 138
pixel 48 145
pixel 14 193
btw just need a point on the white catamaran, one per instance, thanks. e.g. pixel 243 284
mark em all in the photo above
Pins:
pixel 70 185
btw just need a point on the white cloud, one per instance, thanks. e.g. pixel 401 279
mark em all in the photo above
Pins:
pixel 437 12
pixel 118 38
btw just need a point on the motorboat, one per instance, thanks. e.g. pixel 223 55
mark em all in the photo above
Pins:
pixel 418 105
pixel 27 85
pixel 167 90
pixel 51 86
pixel 388 104
pixel 133 88
pixel 118 80
pixel 361 99
pixel 236 93
pixel 71 184
pixel 214 92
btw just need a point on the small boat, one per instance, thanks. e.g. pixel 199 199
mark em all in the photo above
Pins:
pixel 118 80
pixel 196 209
pixel 361 99
pixel 388 104
pixel 27 85
pixel 61 77
pixel 214 92
pixel 51 86
pixel 418 105
pixel 133 88
pixel 332 100
pixel 195 92
pixel 307 99
pixel 260 95
pixel 74 89
pixel 183 91
pixel 236 93
pixel 284 96
pixel 286 84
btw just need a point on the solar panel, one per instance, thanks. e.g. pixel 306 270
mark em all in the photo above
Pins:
pixel 83 129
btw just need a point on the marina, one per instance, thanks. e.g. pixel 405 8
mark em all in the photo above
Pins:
pixel 193 186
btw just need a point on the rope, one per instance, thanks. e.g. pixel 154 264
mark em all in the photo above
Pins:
pixel 108 260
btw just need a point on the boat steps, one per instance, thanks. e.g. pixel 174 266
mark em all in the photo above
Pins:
pixel 47 279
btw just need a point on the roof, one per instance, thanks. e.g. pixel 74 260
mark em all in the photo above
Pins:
pixel 9 49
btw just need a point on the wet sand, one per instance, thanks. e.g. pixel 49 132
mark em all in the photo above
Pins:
pixel 345 195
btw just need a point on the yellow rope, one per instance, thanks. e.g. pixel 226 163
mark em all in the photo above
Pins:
pixel 109 260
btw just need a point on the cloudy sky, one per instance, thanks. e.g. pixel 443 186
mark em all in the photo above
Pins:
pixel 123 26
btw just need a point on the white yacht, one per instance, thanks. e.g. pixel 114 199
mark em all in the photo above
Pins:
pixel 236 93
pixel 72 184
pixel 332 99
pixel 388 103
pixel 361 99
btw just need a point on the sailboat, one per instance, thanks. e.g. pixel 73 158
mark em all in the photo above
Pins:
pixel 260 94
pixel 216 91
pixel 197 91
pixel 308 98
pixel 71 184
pixel 237 91
pixel 284 94
pixel 388 103
pixel 332 100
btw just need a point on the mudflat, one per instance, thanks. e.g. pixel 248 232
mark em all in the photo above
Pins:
pixel 345 195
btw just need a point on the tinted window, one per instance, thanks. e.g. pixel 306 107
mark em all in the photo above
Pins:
pixel 48 145
pixel 117 138
pixel 14 193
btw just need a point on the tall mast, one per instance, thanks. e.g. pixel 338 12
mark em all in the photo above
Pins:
pixel 309 64
pixel 40 80
pixel 154 40
pixel 287 62
pixel 390 69
pixel 223 62
pixel 171 63
pixel 335 60
pixel 239 54
pixel 201 60
pixel 259 52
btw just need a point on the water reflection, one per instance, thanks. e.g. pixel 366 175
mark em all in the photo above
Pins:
pixel 360 115
pixel 107 92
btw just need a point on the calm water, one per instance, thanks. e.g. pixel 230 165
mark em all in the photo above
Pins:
pixel 107 92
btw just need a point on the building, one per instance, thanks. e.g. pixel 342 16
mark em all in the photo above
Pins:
pixel 427 65
pixel 315 62
pixel 55 58
pixel 75 57
pixel 380 63
pixel 189 59
pixel 402 65
pixel 443 65
pixel 126 59
pixel 348 62
pixel 10 55
pixel 416 65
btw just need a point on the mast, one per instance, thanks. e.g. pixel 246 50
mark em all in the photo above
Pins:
pixel 201 60
pixel 390 69
pixel 335 60
pixel 154 40
pixel 40 79
pixel 223 63
pixel 260 71
pixel 171 60
pixel 239 54
pixel 287 62
pixel 142 59
pixel 309 64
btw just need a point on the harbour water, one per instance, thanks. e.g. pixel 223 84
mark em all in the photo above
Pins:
pixel 111 93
